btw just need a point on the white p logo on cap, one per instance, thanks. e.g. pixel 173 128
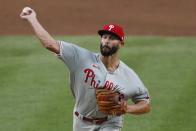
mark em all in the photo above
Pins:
pixel 110 27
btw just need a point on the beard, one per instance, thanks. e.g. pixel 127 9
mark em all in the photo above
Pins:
pixel 106 51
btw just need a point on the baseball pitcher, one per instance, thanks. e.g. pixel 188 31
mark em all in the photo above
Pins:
pixel 100 82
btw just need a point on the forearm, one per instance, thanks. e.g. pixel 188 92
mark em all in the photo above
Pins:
pixel 139 108
pixel 44 37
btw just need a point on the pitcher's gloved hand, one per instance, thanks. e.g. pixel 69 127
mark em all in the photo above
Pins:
pixel 110 102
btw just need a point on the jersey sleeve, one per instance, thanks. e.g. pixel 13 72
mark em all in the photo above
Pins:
pixel 141 95
pixel 70 54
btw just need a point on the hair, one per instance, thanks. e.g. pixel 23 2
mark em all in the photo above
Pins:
pixel 111 33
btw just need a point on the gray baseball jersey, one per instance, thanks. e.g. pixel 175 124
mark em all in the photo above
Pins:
pixel 87 72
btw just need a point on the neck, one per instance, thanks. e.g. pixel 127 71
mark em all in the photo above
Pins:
pixel 111 62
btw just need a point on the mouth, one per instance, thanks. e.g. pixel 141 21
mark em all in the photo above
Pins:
pixel 107 51
pixel 107 47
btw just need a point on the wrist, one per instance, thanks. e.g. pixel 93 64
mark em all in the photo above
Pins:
pixel 128 109
pixel 124 104
pixel 32 20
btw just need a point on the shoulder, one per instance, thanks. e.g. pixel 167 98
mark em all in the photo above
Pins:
pixel 126 68
pixel 75 47
pixel 68 44
pixel 129 72
pixel 81 52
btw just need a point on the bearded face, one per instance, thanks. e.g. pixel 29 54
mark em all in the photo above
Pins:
pixel 109 44
pixel 107 51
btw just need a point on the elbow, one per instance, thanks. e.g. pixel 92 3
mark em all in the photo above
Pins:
pixel 49 46
pixel 148 108
pixel 54 47
pixel 49 43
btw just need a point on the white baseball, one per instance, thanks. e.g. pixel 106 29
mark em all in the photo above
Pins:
pixel 27 10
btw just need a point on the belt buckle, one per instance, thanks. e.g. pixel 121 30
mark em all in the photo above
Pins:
pixel 95 121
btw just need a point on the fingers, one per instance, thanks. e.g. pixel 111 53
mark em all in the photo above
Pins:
pixel 27 13
pixel 23 15
pixel 124 105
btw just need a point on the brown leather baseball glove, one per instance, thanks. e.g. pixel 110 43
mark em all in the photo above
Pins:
pixel 110 102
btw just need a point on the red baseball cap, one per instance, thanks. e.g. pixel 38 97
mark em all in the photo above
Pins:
pixel 114 30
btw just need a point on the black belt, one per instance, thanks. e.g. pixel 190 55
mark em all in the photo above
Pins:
pixel 94 121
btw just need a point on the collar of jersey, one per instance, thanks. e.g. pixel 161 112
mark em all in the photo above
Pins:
pixel 103 66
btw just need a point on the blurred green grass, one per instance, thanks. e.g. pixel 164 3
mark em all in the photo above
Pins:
pixel 35 94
